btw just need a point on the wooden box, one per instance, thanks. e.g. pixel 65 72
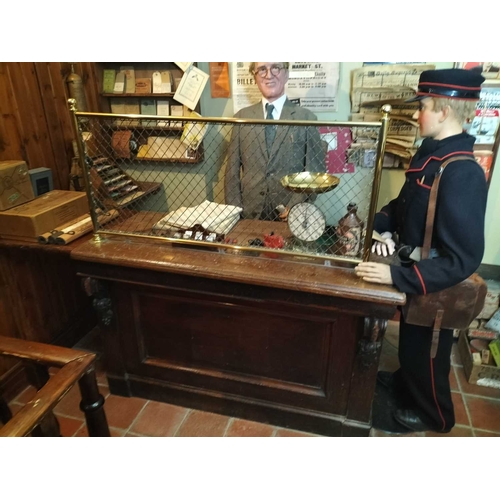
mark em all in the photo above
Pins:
pixel 43 214
pixel 15 184
pixel 483 375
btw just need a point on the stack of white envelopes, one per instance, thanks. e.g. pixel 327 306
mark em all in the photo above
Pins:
pixel 213 217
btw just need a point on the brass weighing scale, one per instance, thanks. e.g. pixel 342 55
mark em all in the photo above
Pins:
pixel 306 221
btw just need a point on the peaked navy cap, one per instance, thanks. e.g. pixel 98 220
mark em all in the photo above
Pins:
pixel 452 83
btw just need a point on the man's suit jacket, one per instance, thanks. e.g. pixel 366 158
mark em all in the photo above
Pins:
pixel 253 176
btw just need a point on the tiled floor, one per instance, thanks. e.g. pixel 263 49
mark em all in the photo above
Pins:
pixel 477 410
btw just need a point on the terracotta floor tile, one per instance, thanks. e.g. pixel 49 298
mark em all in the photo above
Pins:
pixel 455 355
pixel 104 390
pixel 102 380
pixel 457 431
pixel 69 425
pixel 292 433
pixel 474 389
pixel 70 404
pixel 247 428
pixel 83 432
pixel 485 413
pixel 461 417
pixel 203 424
pixel 121 411
pixel 26 395
pixel 159 419
pixel 453 380
pixel 485 434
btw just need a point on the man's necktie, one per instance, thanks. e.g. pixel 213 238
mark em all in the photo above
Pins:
pixel 270 129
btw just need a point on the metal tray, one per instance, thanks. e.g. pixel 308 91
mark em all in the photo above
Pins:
pixel 310 182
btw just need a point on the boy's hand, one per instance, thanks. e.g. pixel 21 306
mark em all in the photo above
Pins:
pixel 386 248
pixel 374 272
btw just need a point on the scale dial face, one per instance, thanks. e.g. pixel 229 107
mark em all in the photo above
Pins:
pixel 306 221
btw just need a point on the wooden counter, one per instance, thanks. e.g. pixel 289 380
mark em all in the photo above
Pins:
pixel 41 300
pixel 287 343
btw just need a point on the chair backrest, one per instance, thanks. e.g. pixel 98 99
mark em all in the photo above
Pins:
pixel 36 416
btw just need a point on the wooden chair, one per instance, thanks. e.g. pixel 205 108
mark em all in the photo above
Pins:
pixel 36 417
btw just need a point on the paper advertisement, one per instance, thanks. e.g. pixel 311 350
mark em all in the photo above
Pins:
pixel 314 84
pixel 191 86
pixel 245 90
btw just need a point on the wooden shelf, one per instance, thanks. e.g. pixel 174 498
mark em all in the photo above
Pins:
pixel 146 127
pixel 147 188
pixel 172 160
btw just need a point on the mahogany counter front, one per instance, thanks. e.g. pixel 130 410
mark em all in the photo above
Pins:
pixel 283 342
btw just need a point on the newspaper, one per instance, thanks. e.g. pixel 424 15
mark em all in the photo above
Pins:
pixel 361 95
pixel 376 85
pixel 389 75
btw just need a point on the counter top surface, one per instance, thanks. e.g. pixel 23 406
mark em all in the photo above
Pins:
pixel 35 245
pixel 255 270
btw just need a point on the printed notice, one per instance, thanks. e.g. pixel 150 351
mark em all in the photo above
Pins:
pixel 191 86
pixel 183 65
pixel 314 85
pixel 219 79
pixel 245 90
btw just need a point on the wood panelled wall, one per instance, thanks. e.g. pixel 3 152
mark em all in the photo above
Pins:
pixel 36 124
pixel 40 295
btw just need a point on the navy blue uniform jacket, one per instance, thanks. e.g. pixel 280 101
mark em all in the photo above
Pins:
pixel 459 220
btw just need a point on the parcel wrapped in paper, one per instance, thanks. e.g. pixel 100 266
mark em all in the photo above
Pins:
pixel 213 217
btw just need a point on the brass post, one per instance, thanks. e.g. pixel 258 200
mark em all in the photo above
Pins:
pixel 382 138
pixel 81 158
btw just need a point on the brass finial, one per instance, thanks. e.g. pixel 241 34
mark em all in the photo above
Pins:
pixel 72 104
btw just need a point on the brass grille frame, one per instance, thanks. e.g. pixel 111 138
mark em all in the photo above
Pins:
pixel 218 136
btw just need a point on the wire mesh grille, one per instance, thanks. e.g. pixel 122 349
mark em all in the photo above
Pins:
pixel 292 188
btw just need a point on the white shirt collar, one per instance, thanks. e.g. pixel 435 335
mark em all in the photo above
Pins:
pixel 278 106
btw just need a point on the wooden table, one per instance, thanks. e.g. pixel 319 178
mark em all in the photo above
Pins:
pixel 287 343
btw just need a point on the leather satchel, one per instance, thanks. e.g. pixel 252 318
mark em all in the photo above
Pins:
pixel 454 307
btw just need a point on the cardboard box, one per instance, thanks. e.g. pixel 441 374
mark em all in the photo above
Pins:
pixel 483 375
pixel 15 184
pixel 482 333
pixel 43 214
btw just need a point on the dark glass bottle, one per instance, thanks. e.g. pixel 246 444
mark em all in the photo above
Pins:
pixel 349 233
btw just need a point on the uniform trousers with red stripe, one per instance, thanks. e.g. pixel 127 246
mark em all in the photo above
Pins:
pixel 424 381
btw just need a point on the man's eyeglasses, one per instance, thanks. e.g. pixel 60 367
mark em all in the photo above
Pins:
pixel 275 70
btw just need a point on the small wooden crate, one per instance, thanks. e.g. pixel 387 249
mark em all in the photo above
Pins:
pixel 483 375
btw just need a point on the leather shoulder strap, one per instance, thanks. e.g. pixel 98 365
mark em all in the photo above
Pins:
pixel 431 209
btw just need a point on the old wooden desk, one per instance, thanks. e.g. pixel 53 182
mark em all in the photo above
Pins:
pixel 288 343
